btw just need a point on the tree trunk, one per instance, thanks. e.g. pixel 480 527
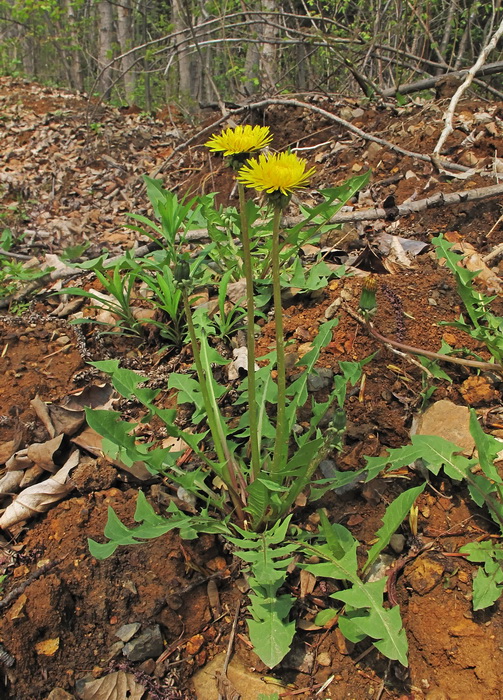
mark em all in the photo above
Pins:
pixel 187 80
pixel 268 54
pixel 125 36
pixel 105 47
pixel 74 63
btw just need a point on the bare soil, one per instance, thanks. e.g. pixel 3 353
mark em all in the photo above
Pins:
pixel 75 183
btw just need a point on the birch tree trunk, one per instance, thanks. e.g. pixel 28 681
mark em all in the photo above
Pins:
pixel 74 62
pixel 105 48
pixel 125 36
pixel 268 57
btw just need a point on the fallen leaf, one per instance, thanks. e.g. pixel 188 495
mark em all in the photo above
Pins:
pixel 39 497
pixel 115 686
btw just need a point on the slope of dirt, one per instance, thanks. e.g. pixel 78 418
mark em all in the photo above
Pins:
pixel 66 182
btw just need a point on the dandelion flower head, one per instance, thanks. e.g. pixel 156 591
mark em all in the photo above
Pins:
pixel 276 173
pixel 241 139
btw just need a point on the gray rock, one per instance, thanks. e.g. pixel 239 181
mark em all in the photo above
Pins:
pixel 320 379
pixel 147 646
pixel 300 659
pixel 126 632
pixel 397 543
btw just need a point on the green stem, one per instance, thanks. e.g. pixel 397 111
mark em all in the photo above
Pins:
pixel 250 336
pixel 213 419
pixel 281 442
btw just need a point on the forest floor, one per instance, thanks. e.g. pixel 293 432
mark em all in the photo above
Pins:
pixel 70 171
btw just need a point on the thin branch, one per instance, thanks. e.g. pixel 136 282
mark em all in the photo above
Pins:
pixel 449 115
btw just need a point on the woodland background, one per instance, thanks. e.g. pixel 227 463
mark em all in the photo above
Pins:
pixel 194 53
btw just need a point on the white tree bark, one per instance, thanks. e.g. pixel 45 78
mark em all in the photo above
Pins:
pixel 125 35
pixel 449 115
pixel 105 46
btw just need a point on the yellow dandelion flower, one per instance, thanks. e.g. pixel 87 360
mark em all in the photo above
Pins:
pixel 276 173
pixel 242 139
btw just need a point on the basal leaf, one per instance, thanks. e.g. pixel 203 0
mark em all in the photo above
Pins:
pixel 271 638
pixel 487 585
pixel 395 514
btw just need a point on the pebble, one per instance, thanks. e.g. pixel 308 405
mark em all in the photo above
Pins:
pixel 62 340
pixel 397 543
pixel 148 645
pixel 324 659
pixel 321 379
pixel 127 632
pixel 333 309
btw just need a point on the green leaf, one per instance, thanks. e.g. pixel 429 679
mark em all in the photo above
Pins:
pixel 325 616
pixel 270 635
pixel 487 585
pixel 395 514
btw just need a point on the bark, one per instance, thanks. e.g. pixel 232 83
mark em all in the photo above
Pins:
pixel 449 115
pixel 428 83
pixel 74 62
pixel 187 87
pixel 105 43
pixel 268 53
pixel 125 36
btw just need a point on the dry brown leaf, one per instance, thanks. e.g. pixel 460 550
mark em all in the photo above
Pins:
pixel 41 409
pixel 18 461
pixel 115 686
pixel 236 292
pixel 17 610
pixel 10 482
pixel 65 420
pixel 307 583
pixel 95 396
pixel 46 454
pixel 40 497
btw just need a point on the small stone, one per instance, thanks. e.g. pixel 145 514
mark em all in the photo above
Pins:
pixel 424 573
pixel 432 302
pixel 126 632
pixel 324 659
pixel 147 667
pixel 333 309
pixel 148 645
pixel 63 340
pixel 449 421
pixel 300 659
pixel 194 644
pixel 397 543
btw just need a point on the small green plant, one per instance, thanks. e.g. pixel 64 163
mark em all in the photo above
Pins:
pixel 485 486
pixel 483 325
pixel 14 274
pixel 119 282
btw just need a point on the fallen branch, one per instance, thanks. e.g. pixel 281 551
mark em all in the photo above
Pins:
pixel 449 115
pixel 437 200
pixel 262 104
pixel 429 83
pixel 409 349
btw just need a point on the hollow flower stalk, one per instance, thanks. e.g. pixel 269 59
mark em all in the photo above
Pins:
pixel 278 175
pixel 237 145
